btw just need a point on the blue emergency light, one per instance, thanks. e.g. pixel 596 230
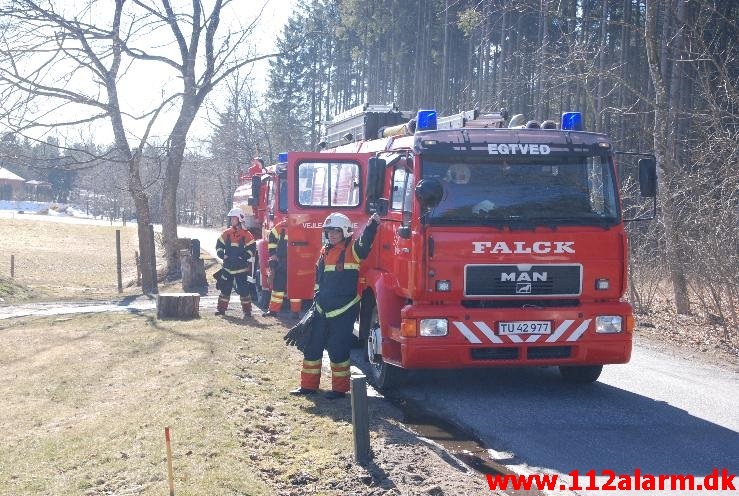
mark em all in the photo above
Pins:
pixel 282 158
pixel 572 121
pixel 426 120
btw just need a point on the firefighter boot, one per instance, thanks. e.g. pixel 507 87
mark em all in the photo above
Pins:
pixel 246 307
pixel 295 308
pixel 302 392
pixel 222 304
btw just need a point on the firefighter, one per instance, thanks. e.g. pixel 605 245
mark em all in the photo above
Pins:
pixel 236 247
pixel 277 245
pixel 458 174
pixel 337 303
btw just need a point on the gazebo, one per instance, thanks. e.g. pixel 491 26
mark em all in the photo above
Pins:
pixel 39 191
pixel 11 185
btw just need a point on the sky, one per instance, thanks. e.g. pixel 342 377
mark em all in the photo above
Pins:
pixel 143 84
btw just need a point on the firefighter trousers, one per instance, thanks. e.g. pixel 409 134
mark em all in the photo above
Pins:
pixel 334 335
pixel 243 289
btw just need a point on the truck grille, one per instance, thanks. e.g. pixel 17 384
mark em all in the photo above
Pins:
pixel 522 280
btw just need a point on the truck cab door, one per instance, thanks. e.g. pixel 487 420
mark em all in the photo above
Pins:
pixel 319 184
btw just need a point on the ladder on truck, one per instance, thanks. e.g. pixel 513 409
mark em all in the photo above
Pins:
pixel 365 121
pixel 473 119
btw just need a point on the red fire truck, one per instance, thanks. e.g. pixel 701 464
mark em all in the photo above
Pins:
pixel 499 246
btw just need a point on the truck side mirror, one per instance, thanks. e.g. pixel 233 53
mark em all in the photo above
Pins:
pixel 380 206
pixel 429 193
pixel 256 186
pixel 375 181
pixel 648 177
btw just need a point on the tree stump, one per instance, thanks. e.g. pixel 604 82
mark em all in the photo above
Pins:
pixel 184 306
pixel 193 273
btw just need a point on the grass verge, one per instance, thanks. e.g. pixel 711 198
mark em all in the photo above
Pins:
pixel 66 261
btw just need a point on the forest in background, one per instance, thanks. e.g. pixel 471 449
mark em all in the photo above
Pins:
pixel 656 76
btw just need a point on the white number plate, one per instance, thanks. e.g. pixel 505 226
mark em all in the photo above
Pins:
pixel 525 327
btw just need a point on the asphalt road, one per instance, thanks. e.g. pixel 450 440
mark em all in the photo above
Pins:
pixel 661 414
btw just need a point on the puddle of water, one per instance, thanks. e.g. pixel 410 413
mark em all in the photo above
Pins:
pixel 457 441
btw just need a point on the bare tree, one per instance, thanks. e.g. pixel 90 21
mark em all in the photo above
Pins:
pixel 63 68
pixel 665 156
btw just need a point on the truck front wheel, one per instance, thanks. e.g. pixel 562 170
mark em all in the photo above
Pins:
pixel 382 375
pixel 584 374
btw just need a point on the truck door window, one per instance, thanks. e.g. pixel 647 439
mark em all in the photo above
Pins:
pixel 399 181
pixel 282 197
pixel 328 184
pixel 408 198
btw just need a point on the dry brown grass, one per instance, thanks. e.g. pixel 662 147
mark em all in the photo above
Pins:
pixel 67 261
pixel 86 400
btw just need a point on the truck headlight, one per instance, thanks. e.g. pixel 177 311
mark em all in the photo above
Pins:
pixel 444 285
pixel 609 324
pixel 433 327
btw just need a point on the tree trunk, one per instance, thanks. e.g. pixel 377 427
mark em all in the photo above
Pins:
pixel 175 154
pixel 661 138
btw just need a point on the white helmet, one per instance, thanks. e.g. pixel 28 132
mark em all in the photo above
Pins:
pixel 459 174
pixel 237 212
pixel 340 221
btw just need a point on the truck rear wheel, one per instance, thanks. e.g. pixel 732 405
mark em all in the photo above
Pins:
pixel 382 375
pixel 585 374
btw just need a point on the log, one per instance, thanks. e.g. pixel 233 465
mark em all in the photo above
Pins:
pixel 184 306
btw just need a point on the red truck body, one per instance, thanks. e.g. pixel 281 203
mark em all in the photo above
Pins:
pixel 524 264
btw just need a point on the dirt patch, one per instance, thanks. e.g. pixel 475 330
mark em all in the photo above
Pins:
pixel 699 335
pixel 304 445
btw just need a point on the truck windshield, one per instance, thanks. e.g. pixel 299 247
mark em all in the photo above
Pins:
pixel 545 190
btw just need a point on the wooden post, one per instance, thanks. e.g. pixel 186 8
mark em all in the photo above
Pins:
pixel 360 419
pixel 12 266
pixel 153 268
pixel 170 472
pixel 138 268
pixel 118 259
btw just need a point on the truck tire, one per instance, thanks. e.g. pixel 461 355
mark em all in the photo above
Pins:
pixel 381 375
pixel 584 374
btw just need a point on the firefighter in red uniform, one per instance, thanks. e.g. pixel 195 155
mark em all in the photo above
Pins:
pixel 277 245
pixel 236 247
pixel 337 303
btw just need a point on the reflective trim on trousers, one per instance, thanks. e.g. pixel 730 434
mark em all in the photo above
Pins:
pixel 338 311
pixel 340 376
pixel 275 301
pixel 310 376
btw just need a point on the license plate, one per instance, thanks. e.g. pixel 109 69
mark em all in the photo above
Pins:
pixel 525 327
